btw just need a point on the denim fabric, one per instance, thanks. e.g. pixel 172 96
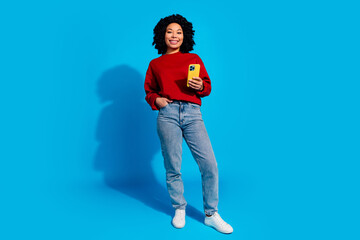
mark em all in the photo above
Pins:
pixel 183 119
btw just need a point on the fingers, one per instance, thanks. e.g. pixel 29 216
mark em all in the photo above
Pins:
pixel 196 83
pixel 162 101
pixel 165 102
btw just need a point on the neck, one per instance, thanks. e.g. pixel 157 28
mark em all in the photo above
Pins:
pixel 172 51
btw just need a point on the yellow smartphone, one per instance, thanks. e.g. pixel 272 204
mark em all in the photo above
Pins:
pixel 194 71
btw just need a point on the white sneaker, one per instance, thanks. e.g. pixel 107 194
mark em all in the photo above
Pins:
pixel 179 218
pixel 216 222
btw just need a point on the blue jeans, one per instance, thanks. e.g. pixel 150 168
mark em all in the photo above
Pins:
pixel 183 119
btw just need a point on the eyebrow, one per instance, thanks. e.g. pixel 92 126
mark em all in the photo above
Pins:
pixel 171 29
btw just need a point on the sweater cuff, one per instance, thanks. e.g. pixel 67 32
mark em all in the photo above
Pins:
pixel 153 99
pixel 203 92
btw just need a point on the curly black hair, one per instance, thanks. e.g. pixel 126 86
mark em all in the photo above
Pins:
pixel 160 29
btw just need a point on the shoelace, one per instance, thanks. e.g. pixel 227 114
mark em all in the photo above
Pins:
pixel 181 214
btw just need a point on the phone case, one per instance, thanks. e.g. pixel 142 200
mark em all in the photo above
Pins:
pixel 194 71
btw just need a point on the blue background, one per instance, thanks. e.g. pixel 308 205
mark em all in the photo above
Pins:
pixel 80 157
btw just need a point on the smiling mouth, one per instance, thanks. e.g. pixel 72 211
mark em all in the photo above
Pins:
pixel 173 42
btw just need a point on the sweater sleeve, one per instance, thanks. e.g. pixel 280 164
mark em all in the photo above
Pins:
pixel 206 79
pixel 151 88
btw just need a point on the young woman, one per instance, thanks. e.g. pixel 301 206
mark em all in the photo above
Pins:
pixel 180 116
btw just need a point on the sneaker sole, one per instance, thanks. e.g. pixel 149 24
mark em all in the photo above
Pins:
pixel 176 226
pixel 218 230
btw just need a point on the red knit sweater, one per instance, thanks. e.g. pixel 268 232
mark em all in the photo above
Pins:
pixel 166 76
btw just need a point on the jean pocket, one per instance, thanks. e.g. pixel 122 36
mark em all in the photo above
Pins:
pixel 164 106
pixel 194 105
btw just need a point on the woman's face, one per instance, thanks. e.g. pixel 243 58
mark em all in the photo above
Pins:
pixel 173 37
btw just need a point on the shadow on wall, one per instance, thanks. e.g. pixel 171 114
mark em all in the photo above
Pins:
pixel 128 141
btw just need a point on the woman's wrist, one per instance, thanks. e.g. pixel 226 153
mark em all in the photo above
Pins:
pixel 156 102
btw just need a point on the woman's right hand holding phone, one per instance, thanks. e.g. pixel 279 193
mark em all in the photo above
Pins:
pixel 162 102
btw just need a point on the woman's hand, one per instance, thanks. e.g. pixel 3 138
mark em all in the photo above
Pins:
pixel 196 83
pixel 162 102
